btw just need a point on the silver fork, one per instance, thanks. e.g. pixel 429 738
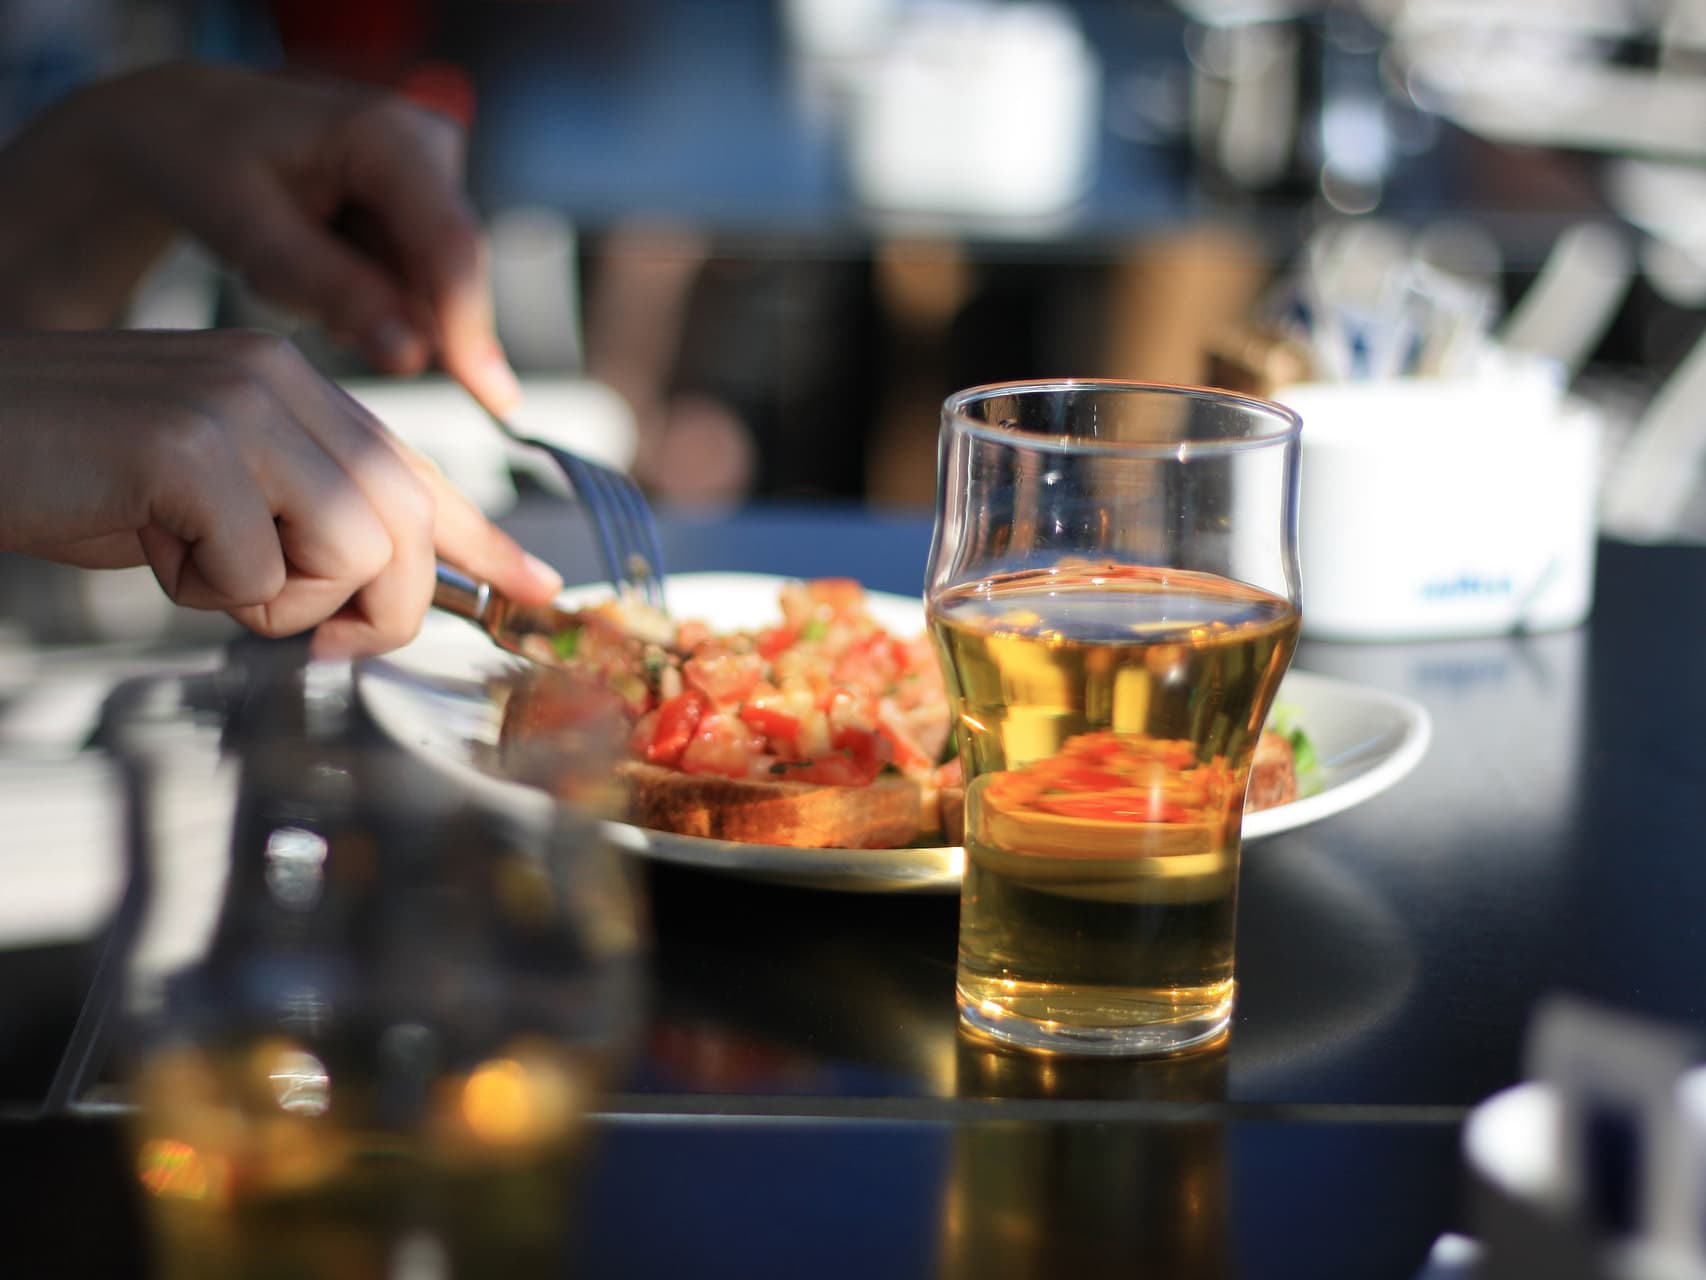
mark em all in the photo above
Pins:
pixel 627 532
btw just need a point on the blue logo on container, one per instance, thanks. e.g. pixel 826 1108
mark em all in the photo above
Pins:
pixel 1466 585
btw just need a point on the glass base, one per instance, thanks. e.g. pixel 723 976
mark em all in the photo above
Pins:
pixel 1141 1040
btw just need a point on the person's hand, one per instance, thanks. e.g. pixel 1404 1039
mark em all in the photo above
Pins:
pixel 266 170
pixel 245 480
pixel 341 203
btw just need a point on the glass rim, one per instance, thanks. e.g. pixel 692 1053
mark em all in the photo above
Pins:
pixel 1288 423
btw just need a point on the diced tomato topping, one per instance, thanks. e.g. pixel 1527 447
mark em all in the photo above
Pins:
pixel 676 721
pixel 902 749
pixel 721 744
pixel 844 597
pixel 690 635
pixel 724 678
pixel 870 662
pixel 863 745
pixel 776 725
pixel 776 640
pixel 825 691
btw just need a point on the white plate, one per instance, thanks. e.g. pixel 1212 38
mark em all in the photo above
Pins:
pixel 431 696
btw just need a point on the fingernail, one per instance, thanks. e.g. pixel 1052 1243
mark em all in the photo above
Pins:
pixel 399 346
pixel 499 381
pixel 544 573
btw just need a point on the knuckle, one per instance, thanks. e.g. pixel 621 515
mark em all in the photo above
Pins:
pixel 190 447
pixel 367 549
pixel 417 506
pixel 393 632
pixel 258 354
pixel 392 120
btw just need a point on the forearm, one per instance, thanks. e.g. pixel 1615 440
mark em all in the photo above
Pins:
pixel 75 236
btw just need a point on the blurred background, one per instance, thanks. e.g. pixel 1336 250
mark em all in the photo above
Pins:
pixel 771 235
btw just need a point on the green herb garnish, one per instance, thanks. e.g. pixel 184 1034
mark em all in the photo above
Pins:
pixel 1302 752
pixel 565 642
pixel 950 748
pixel 1304 758
pixel 816 629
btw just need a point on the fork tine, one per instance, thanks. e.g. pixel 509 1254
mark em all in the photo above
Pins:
pixel 649 542
pixel 633 556
pixel 620 514
pixel 639 536
pixel 592 501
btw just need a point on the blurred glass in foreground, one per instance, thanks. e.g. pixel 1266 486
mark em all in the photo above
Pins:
pixel 366 1016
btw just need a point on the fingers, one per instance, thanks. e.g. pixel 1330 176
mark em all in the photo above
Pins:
pixel 405 170
pixel 386 605
pixel 465 538
pixel 248 512
pixel 280 501
pixel 246 481
pixel 301 264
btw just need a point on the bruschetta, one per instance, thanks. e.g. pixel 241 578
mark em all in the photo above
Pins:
pixel 821 730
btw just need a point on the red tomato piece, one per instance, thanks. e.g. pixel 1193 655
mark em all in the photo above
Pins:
pixel 861 744
pixel 844 597
pixel 776 725
pixel 724 678
pixel 901 748
pixel 776 640
pixel 721 744
pixel 677 720
pixel 691 634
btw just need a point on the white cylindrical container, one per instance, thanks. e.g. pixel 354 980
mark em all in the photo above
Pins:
pixel 1437 508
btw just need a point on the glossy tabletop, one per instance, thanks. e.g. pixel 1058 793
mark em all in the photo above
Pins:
pixel 802 1101
pixel 1388 956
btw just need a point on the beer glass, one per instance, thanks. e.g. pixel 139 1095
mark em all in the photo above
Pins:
pixel 1112 589
pixel 369 1004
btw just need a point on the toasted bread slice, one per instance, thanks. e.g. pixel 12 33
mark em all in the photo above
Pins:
pixel 805 815
pixel 888 813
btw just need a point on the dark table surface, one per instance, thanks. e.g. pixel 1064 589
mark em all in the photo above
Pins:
pixel 802 1102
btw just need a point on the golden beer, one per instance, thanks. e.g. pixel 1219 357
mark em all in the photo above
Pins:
pixel 1107 716
pixel 259 1164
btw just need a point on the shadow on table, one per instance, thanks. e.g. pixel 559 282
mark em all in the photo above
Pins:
pixel 765 990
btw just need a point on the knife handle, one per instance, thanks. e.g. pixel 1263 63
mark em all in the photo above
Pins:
pixel 455 592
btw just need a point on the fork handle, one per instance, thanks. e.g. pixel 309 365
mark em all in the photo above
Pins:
pixel 455 592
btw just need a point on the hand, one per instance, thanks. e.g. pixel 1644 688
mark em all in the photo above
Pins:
pixel 339 202
pixel 245 480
